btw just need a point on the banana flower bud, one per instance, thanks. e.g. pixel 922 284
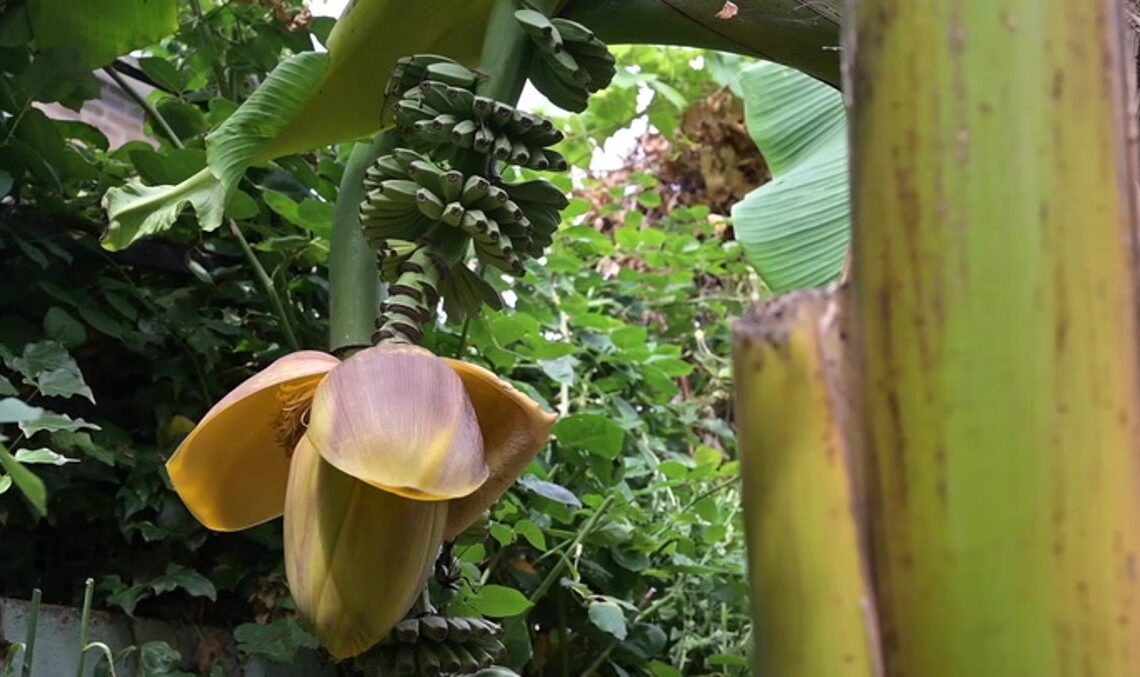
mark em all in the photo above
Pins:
pixel 373 461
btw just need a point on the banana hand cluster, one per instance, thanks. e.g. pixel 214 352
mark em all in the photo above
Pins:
pixel 570 62
pixel 436 113
pixel 434 644
pixel 408 196
pixel 412 70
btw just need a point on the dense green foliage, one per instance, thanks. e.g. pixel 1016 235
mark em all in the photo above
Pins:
pixel 620 548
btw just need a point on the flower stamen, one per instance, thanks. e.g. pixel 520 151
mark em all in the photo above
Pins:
pixel 293 419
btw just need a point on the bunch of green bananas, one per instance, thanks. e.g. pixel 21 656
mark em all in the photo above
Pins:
pixel 570 62
pixel 412 70
pixel 435 113
pixel 432 644
pixel 409 196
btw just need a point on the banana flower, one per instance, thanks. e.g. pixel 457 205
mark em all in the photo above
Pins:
pixel 373 461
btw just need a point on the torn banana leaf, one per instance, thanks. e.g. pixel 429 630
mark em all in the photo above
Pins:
pixel 795 229
pixel 310 100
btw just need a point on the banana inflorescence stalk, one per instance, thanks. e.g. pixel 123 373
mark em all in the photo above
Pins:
pixel 436 195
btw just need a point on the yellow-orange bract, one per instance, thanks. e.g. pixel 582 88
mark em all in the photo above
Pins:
pixel 373 461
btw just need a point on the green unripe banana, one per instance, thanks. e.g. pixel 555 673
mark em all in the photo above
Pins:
pixel 453 214
pixel 572 31
pixel 428 204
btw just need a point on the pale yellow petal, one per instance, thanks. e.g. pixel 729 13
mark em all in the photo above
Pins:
pixel 356 557
pixel 514 429
pixel 231 469
pixel 399 419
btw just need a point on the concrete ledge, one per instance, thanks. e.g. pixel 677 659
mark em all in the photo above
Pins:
pixel 57 643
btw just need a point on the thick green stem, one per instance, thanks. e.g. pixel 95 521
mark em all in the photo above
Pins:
pixel 803 34
pixel 506 53
pixel 354 283
pixel 995 300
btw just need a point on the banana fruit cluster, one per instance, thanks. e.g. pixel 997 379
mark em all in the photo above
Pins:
pixel 570 62
pixel 433 644
pixel 438 113
pixel 409 197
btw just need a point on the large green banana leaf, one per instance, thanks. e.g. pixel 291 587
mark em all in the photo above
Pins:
pixel 96 31
pixel 309 100
pixel 795 229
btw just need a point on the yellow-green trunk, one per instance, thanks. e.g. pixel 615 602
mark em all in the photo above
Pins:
pixel 810 603
pixel 995 298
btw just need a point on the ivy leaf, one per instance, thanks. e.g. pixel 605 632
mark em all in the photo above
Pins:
pixel 594 433
pixel 178 576
pixel 47 366
pixel 550 490
pixel 60 326
pixel 532 533
pixel 53 422
pixel 609 618
pixel 796 228
pixel 278 641
pixel 561 370
pixel 43 456
pixel 13 410
pixel 499 601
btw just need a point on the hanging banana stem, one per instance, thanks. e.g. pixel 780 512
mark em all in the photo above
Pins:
pixel 411 298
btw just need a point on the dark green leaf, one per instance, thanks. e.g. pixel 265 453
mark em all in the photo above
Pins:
pixel 162 72
pixel 562 369
pixel 609 618
pixel 53 372
pixel 53 422
pixel 550 490
pixel 595 433
pixel 184 578
pixel 278 641
pixel 103 34
pixel 499 601
pixel 42 456
pixel 61 327
pixel 13 410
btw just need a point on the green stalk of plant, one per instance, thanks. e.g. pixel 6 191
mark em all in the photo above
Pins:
pixel 354 282
pixel 995 296
pixel 85 624
pixel 30 637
